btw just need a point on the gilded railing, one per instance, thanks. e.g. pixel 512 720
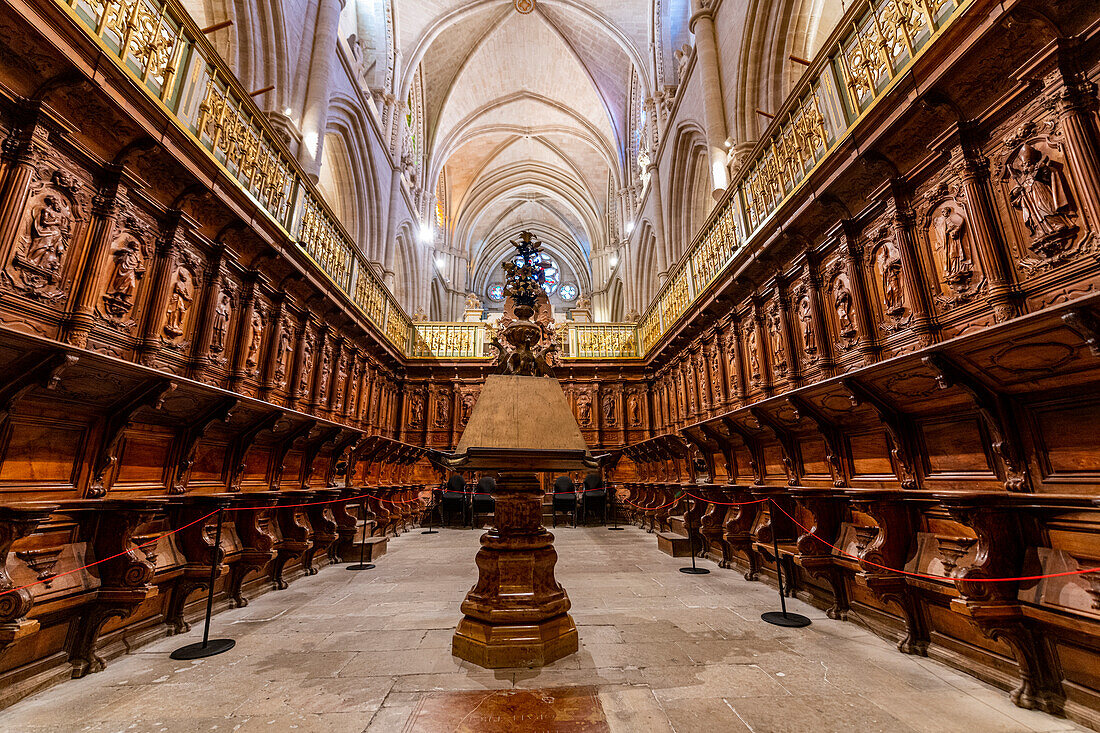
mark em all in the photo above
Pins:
pixel 158 44
pixel 448 341
pixel 603 341
pixel 874 45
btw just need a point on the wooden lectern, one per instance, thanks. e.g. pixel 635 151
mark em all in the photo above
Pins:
pixel 517 615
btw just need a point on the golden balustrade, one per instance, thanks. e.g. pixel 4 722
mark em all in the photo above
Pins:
pixel 159 46
pixel 603 341
pixel 448 341
pixel 875 44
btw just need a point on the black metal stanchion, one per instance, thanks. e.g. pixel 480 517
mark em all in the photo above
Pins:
pixel 791 620
pixel 363 565
pixel 431 506
pixel 614 510
pixel 208 647
pixel 691 540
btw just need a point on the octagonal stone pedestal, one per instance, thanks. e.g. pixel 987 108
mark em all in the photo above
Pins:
pixel 517 614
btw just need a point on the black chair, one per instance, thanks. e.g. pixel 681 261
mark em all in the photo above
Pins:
pixel 483 502
pixel 564 499
pixel 594 497
pixel 453 498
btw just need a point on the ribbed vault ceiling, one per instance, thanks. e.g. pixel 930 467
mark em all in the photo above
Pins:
pixel 525 118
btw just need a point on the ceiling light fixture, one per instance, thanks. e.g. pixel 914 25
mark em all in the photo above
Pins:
pixel 629 227
pixel 426 234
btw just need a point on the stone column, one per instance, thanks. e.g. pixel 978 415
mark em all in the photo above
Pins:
pixel 386 255
pixel 714 108
pixel 664 247
pixel 315 110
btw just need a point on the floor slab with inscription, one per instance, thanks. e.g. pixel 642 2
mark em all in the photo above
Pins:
pixel 558 710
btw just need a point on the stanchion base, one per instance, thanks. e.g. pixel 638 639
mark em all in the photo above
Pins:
pixel 694 571
pixel 198 651
pixel 790 620
pixel 616 529
pixel 430 531
pixel 361 566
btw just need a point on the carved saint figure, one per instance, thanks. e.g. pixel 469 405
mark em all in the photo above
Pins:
pixel 889 265
pixel 842 301
pixel 584 409
pixel 307 362
pixel 754 356
pixel 949 230
pixel 683 56
pixel 416 410
pixel 283 351
pixel 442 411
pixel 609 411
pixel 338 386
pixel 353 389
pixel 634 411
pixel 128 268
pixel 1040 192
pixel 326 369
pixel 221 322
pixel 179 300
pixel 775 332
pixel 50 229
pixel 468 401
pixel 255 337
pixel 806 319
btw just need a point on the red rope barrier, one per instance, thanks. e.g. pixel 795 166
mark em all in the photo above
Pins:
pixel 112 557
pixel 924 575
pixel 157 539
pixel 725 503
pixel 653 508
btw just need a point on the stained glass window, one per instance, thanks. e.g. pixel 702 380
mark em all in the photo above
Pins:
pixel 496 293
pixel 568 292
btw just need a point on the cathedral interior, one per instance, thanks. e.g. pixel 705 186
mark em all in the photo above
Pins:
pixel 803 296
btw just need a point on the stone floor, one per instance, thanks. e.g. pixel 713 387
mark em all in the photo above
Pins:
pixel 660 651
